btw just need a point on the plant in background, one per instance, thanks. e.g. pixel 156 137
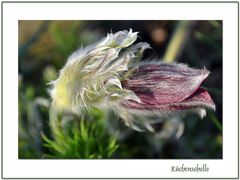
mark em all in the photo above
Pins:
pixel 105 76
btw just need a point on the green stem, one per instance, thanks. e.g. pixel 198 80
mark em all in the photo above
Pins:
pixel 215 121
pixel 177 41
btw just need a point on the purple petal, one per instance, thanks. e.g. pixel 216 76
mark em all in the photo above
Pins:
pixel 159 83
pixel 200 98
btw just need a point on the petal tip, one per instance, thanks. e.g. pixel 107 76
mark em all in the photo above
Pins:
pixel 205 72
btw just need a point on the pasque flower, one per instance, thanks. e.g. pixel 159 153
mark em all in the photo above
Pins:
pixel 104 75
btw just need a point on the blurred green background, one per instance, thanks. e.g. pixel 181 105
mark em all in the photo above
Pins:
pixel 44 47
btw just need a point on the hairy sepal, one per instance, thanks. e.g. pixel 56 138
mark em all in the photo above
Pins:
pixel 91 76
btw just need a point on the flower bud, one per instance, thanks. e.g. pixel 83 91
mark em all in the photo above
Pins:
pixel 100 76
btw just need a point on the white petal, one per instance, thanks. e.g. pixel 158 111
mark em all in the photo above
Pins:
pixel 114 81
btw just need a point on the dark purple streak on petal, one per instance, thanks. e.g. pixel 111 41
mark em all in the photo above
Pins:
pixel 200 98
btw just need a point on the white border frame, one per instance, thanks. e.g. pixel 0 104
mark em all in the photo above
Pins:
pixel 15 168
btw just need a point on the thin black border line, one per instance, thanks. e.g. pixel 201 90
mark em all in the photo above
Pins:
pixel 2 90
pixel 122 178
pixel 138 2
pixel 109 2
pixel 238 89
